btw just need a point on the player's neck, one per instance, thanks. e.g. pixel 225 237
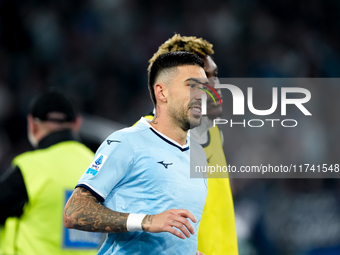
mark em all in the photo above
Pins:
pixel 166 126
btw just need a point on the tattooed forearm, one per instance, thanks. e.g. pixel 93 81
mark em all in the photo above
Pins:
pixel 147 220
pixel 84 212
pixel 157 114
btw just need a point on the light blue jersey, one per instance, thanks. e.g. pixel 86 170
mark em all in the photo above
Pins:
pixel 139 170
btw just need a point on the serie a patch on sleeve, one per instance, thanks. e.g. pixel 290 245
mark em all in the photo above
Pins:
pixel 96 164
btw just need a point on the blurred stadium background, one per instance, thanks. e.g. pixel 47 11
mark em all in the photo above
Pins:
pixel 97 51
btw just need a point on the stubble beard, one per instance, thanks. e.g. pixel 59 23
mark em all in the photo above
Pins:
pixel 180 118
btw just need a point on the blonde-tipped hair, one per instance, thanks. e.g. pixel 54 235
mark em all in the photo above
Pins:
pixel 192 44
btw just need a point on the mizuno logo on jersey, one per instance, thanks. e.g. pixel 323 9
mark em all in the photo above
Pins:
pixel 112 141
pixel 164 164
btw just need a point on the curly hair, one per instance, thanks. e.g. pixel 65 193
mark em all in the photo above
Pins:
pixel 192 44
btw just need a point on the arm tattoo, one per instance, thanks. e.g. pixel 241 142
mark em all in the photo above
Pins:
pixel 86 213
pixel 147 219
pixel 157 113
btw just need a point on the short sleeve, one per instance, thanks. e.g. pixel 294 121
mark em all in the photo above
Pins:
pixel 111 163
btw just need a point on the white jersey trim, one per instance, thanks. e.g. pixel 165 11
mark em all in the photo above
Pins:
pixel 147 123
pixel 91 187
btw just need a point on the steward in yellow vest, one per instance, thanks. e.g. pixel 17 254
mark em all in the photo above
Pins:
pixel 36 188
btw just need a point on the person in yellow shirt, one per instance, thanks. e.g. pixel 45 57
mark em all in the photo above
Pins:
pixel 35 189
pixel 217 232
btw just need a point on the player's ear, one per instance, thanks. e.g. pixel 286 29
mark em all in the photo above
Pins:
pixel 161 92
pixel 32 125
pixel 77 123
pixel 33 130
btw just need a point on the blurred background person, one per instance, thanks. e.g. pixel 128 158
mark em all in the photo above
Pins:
pixel 35 189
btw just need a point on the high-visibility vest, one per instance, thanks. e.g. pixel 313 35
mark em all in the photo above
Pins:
pixel 50 176
pixel 217 231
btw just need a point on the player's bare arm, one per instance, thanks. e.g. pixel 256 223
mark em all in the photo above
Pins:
pixel 84 212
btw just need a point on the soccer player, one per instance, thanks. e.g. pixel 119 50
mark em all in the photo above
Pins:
pixel 138 188
pixel 217 232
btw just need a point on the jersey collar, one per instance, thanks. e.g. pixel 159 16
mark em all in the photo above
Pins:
pixel 164 137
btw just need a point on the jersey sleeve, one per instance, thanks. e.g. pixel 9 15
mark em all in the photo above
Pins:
pixel 112 161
